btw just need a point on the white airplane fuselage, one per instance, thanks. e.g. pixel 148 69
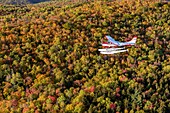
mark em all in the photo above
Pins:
pixel 120 44
pixel 112 42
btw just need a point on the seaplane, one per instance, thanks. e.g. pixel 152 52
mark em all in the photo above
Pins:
pixel 112 46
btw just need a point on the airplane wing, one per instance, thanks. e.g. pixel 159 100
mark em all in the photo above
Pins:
pixel 113 41
pixel 132 42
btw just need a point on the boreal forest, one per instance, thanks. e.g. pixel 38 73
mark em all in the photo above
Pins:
pixel 50 63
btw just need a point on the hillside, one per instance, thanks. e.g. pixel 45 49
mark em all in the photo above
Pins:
pixel 19 2
pixel 49 60
pixel 24 2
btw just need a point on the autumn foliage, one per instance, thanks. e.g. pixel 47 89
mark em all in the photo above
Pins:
pixel 49 59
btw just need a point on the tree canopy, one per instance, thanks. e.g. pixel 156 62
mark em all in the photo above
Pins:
pixel 49 59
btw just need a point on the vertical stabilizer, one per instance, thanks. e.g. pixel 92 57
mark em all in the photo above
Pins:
pixel 133 40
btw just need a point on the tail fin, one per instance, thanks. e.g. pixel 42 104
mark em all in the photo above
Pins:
pixel 133 40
